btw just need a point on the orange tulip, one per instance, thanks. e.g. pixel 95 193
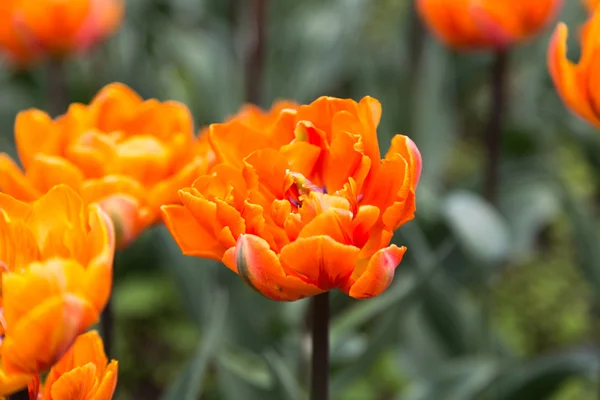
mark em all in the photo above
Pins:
pixel 591 4
pixel 302 203
pixel 56 259
pixel 129 155
pixel 486 24
pixel 82 373
pixel 32 28
pixel 577 83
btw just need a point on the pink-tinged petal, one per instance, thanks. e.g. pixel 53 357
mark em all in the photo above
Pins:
pixel 379 273
pixel 321 260
pixel 260 268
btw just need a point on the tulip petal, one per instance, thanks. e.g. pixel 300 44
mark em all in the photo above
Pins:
pixel 14 182
pixel 35 133
pixel 55 237
pixel 10 383
pixel 391 183
pixel 400 212
pixel 108 384
pixel 321 111
pixel 379 273
pixel 342 160
pixel 193 238
pixel 259 267
pixel 166 192
pixel 565 76
pixel 232 142
pixel 321 260
pixel 43 335
pixel 335 223
pixel 369 112
pixel 101 245
pixel 406 148
pixel 94 190
pixel 75 384
pixel 46 172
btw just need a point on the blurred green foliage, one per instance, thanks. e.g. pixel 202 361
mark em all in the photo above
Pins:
pixel 496 303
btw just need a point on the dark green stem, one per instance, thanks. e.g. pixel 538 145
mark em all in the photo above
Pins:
pixel 493 132
pixel 320 347
pixel 57 86
pixel 20 395
pixel 254 64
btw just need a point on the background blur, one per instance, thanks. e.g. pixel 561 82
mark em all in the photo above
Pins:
pixel 490 302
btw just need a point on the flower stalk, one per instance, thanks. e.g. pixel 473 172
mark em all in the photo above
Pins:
pixel 493 134
pixel 20 395
pixel 254 64
pixel 320 347
pixel 57 86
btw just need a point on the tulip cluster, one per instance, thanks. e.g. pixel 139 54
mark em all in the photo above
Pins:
pixel 129 155
pixel 56 265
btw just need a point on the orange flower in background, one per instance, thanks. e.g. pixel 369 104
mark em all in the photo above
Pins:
pixel 591 4
pixel 486 24
pixel 301 203
pixel 128 154
pixel 56 259
pixel 33 28
pixel 577 84
pixel 82 373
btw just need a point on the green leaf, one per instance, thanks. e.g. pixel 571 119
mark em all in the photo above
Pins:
pixel 585 239
pixel 464 379
pixel 247 366
pixel 285 376
pixel 482 232
pixel 384 332
pixel 194 277
pixel 543 376
pixel 188 384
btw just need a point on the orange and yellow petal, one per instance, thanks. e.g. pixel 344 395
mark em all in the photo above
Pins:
pixel 260 268
pixel 378 274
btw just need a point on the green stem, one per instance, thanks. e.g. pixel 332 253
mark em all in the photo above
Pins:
pixel 320 347
pixel 57 87
pixel 493 132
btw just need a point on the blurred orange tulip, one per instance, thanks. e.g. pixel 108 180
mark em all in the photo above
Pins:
pixel 591 4
pixel 301 202
pixel 577 84
pixel 33 28
pixel 82 373
pixel 56 259
pixel 486 24
pixel 130 155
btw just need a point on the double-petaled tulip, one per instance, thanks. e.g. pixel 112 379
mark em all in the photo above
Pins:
pixel 56 258
pixel 33 28
pixel 577 84
pixel 301 203
pixel 486 24
pixel 128 154
pixel 82 373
